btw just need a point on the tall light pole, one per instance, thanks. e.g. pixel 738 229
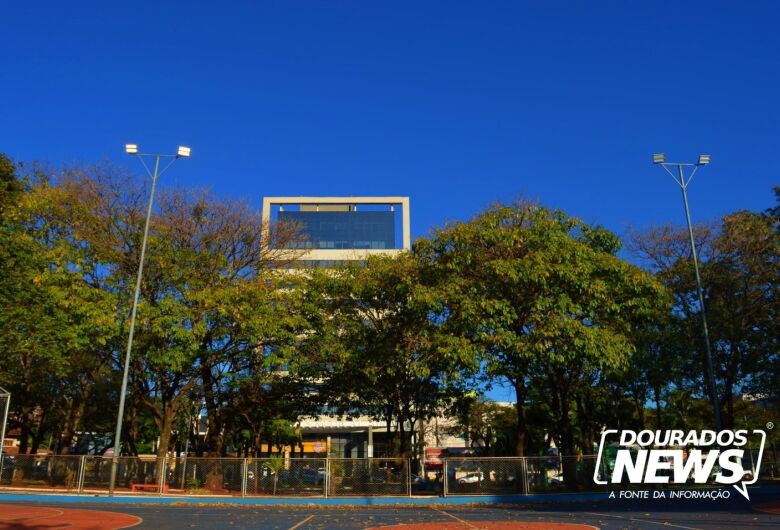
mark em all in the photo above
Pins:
pixel 132 149
pixel 682 180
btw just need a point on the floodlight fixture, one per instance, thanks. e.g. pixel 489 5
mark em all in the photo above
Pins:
pixel 131 149
pixel 183 152
pixel 703 160
pixel 659 158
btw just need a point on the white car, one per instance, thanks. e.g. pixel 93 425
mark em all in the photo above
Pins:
pixel 472 478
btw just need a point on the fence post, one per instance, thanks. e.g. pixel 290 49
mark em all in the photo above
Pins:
pixel 327 476
pixel 184 471
pixel 445 478
pixel 409 476
pixel 80 480
pixel 524 473
pixel 244 473
pixel 163 473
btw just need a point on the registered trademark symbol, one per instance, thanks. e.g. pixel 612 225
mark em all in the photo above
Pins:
pixel 770 425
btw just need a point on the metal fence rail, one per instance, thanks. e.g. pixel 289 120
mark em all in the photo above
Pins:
pixel 320 477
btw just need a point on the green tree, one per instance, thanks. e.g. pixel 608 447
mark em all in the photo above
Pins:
pixel 383 328
pixel 55 319
pixel 740 277
pixel 485 424
pixel 544 297
pixel 10 185
pixel 206 304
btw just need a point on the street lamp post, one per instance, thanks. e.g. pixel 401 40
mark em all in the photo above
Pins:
pixel 683 181
pixel 132 149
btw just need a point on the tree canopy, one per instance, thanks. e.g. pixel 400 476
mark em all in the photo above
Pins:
pixel 544 297
pixel 234 334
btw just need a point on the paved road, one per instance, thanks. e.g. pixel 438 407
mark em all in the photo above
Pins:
pixel 689 515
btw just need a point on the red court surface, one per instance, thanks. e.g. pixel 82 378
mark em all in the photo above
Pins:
pixel 487 525
pixel 37 517
pixel 768 507
pixel 570 516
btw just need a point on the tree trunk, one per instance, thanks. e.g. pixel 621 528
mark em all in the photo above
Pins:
pixel 389 437
pixel 39 433
pixel 72 423
pixel 213 414
pixel 131 432
pixel 520 393
pixel 419 455
pixel 406 437
pixel 402 433
pixel 728 396
pixel 657 399
pixel 640 412
pixel 587 427
pixel 166 426
pixel 24 433
pixel 568 451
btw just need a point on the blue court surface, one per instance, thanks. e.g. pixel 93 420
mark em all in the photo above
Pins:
pixel 690 515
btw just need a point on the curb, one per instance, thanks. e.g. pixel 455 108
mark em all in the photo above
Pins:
pixel 547 498
pixel 304 501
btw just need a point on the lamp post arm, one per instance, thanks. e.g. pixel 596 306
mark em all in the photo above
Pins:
pixel 690 178
pixel 679 182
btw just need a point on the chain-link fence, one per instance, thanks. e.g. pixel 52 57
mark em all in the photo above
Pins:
pixel 484 476
pixel 133 474
pixel 41 472
pixel 769 472
pixel 206 476
pixel 369 476
pixel 279 476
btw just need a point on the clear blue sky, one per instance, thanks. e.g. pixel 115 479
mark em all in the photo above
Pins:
pixel 455 104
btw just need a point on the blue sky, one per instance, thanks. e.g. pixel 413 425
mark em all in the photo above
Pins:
pixel 455 104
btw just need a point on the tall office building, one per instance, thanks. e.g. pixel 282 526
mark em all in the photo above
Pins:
pixel 335 230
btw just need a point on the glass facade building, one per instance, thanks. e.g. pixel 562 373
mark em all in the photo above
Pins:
pixel 345 229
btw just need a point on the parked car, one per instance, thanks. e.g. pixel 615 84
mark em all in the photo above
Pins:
pixel 310 475
pixel 553 457
pixel 8 461
pixel 425 485
pixel 472 478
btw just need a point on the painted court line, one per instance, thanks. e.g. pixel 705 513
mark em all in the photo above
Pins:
pixel 30 517
pixel 14 514
pixel 461 521
pixel 302 522
pixel 638 520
